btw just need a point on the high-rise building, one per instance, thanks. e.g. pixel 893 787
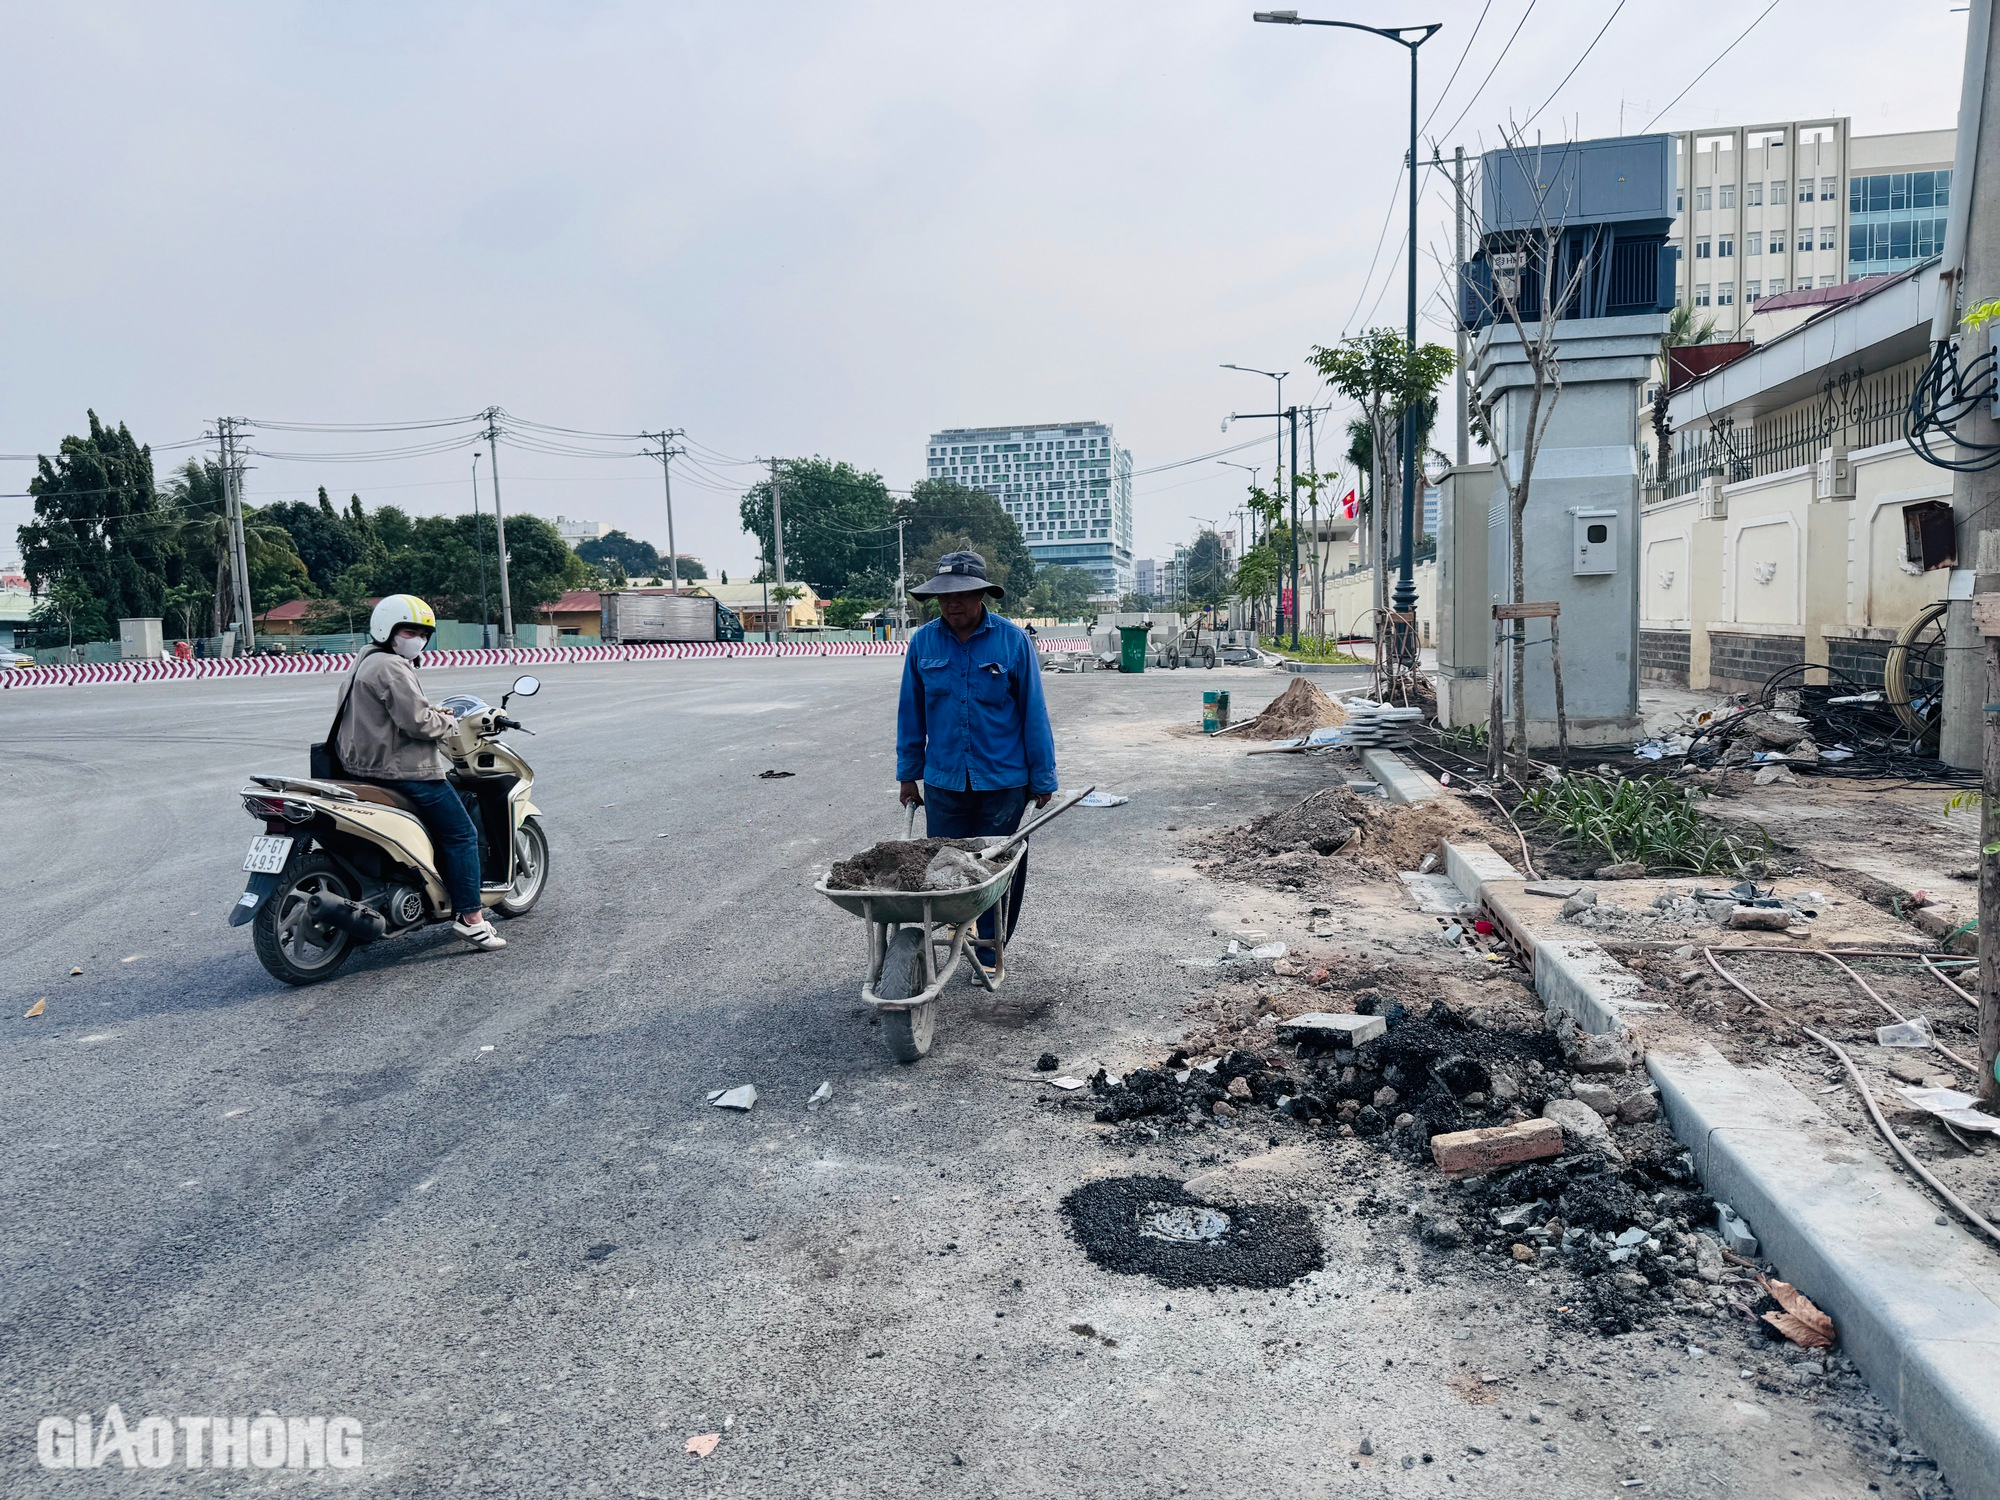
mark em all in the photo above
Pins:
pixel 1067 484
pixel 1802 203
pixel 1145 576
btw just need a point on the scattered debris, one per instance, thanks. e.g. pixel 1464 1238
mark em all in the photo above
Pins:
pixel 740 1097
pixel 774 775
pixel 1913 1032
pixel 1066 1083
pixel 820 1095
pixel 702 1444
pixel 1626 869
pixel 1759 918
pixel 36 1009
pixel 1330 1029
pixel 1559 889
pixel 1953 1107
pixel 1286 849
pixel 1048 1062
pixel 1582 1127
pixel 1102 799
pixel 1736 1236
pixel 73 973
pixel 1801 1322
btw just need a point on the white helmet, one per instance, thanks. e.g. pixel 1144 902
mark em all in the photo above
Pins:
pixel 399 609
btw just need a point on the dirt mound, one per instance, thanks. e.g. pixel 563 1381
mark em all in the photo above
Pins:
pixel 892 865
pixel 1297 711
pixel 1286 848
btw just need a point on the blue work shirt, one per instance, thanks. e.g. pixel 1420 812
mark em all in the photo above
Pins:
pixel 972 713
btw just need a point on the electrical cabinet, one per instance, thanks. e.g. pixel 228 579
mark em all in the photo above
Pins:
pixel 1594 548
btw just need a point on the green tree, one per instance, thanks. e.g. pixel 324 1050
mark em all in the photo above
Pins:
pixel 99 523
pixel 436 558
pixel 321 536
pixel 836 521
pixel 865 591
pixel 1207 570
pixel 68 605
pixel 200 536
pixel 942 515
pixel 1386 378
pixel 635 559
pixel 1062 592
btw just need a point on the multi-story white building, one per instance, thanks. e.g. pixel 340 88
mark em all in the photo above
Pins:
pixel 1802 203
pixel 575 532
pixel 1067 484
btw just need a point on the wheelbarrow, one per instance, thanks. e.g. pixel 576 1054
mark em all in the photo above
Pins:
pixel 916 938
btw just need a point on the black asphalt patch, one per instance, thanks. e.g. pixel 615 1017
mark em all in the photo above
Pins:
pixel 1118 1220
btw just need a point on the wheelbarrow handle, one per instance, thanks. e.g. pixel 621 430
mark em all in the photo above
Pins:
pixel 1033 823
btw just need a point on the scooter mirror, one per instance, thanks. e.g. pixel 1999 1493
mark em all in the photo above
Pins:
pixel 526 687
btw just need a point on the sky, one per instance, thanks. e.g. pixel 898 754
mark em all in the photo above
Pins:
pixel 785 228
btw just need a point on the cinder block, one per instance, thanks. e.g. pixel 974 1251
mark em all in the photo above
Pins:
pixel 1466 1153
pixel 1334 1029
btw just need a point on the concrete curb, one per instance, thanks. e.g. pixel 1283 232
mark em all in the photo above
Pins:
pixel 1916 1303
pixel 1402 781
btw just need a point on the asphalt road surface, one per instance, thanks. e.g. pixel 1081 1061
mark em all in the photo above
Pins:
pixel 389 1197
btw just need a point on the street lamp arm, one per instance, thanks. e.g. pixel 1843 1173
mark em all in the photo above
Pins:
pixel 1393 33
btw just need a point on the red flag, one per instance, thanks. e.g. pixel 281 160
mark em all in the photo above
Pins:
pixel 1349 506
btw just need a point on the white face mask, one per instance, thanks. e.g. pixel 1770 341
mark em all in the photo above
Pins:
pixel 409 647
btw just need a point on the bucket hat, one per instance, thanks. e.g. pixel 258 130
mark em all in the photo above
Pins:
pixel 958 573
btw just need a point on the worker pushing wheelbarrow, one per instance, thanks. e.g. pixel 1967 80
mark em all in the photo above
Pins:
pixel 972 728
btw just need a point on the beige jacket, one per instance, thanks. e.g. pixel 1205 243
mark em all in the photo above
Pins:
pixel 390 731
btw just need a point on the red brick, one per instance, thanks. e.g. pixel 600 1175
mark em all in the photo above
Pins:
pixel 1466 1153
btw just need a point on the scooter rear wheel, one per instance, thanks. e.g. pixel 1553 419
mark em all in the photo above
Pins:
pixel 288 945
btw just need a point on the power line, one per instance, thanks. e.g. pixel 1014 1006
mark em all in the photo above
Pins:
pixel 1492 70
pixel 1438 103
pixel 1574 66
pixel 1705 71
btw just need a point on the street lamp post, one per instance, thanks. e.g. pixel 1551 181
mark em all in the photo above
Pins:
pixel 1405 600
pixel 1254 470
pixel 1277 472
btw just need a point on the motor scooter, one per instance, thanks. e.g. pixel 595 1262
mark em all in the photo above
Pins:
pixel 341 864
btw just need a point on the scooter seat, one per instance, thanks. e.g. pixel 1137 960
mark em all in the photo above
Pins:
pixel 381 796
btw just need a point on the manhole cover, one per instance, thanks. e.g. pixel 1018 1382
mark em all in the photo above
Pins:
pixel 1149 1226
pixel 1182 1224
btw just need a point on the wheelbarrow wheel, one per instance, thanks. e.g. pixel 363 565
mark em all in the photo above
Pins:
pixel 908 1031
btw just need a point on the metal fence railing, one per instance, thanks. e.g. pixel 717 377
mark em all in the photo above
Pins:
pixel 1851 411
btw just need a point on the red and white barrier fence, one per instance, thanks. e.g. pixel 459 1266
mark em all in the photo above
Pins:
pixel 173 669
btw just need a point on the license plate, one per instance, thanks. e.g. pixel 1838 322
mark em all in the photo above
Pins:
pixel 268 854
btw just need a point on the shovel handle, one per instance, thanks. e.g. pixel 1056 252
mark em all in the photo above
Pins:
pixel 1036 822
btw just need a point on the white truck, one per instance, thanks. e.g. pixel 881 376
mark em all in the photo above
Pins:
pixel 658 615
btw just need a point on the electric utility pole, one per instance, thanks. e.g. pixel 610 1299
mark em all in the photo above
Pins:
pixel 239 551
pixel 1292 416
pixel 500 524
pixel 479 546
pixel 666 456
pixel 902 597
pixel 1464 375
pixel 778 544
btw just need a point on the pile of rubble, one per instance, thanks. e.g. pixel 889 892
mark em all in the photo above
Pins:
pixel 1296 712
pixel 1692 914
pixel 1325 838
pixel 1541 1153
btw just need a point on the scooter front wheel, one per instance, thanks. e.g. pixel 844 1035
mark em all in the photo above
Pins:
pixel 289 944
pixel 531 870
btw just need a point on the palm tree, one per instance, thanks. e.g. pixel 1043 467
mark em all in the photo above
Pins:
pixel 199 526
pixel 1683 330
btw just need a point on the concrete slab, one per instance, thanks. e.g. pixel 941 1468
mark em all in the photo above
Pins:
pixel 1438 895
pixel 1403 782
pixel 1333 1028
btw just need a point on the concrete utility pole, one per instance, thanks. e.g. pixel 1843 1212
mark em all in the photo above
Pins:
pixel 239 551
pixel 902 595
pixel 1464 373
pixel 500 524
pixel 666 456
pixel 1292 416
pixel 778 545
pixel 479 546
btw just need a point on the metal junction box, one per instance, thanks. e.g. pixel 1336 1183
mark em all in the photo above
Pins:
pixel 1594 544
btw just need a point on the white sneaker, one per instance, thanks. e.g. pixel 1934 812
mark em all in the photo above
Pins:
pixel 479 934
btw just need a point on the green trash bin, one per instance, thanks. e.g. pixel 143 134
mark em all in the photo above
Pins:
pixel 1132 647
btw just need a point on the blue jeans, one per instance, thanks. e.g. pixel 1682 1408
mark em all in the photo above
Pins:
pixel 453 837
pixel 952 814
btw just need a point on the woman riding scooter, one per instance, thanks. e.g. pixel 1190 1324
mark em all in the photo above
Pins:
pixel 388 733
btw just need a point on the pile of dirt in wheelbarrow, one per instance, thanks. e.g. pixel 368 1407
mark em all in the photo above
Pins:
pixel 1291 847
pixel 1297 711
pixel 892 865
